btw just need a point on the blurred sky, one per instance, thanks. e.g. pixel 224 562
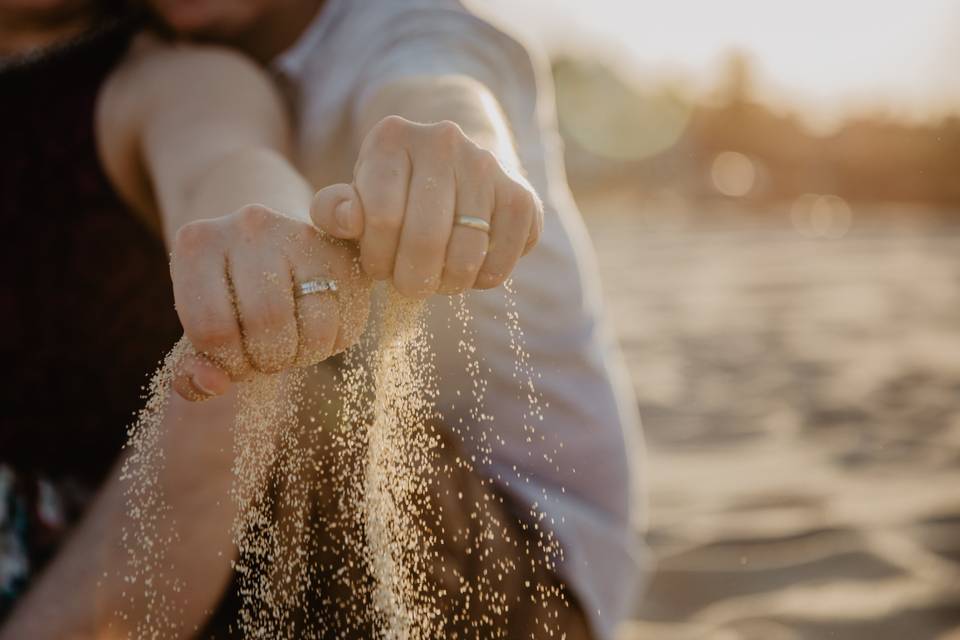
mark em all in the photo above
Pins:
pixel 825 57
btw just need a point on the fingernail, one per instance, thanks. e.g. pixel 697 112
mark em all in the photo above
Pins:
pixel 344 215
pixel 195 381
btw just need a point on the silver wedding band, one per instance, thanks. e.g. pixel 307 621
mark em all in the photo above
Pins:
pixel 317 285
pixel 473 222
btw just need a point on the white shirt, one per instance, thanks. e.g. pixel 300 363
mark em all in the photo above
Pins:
pixel 587 488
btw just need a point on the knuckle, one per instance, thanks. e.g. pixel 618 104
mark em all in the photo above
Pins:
pixel 447 136
pixel 488 279
pixel 447 130
pixel 485 163
pixel 520 200
pixel 460 272
pixel 390 129
pixel 413 288
pixel 194 236
pixel 393 123
pixel 384 219
pixel 212 334
pixel 303 235
pixel 381 175
pixel 254 218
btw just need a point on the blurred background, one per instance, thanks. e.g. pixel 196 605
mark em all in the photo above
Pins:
pixel 773 190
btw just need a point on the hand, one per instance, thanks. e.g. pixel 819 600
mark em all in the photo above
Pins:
pixel 410 183
pixel 233 283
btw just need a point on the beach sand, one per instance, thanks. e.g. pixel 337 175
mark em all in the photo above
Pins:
pixel 801 403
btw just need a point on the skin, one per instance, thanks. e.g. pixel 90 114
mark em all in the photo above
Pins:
pixel 26 25
pixel 259 28
pixel 233 275
pixel 165 151
pixel 410 182
pixel 421 162
pixel 204 130
pixel 81 592
pixel 431 148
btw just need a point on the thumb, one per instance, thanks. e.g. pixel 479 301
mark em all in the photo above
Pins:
pixel 197 378
pixel 336 210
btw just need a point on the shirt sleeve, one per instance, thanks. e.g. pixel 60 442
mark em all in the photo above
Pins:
pixel 439 41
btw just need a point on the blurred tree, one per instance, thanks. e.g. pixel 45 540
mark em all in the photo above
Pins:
pixel 623 133
pixel 737 79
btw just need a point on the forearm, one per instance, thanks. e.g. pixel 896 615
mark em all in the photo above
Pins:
pixel 460 99
pixel 238 178
pixel 206 164
pixel 191 133
pixel 84 592
pixel 67 602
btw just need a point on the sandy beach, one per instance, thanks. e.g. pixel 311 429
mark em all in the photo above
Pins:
pixel 801 402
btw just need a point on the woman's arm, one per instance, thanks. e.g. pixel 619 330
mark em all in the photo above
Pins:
pixel 195 138
pixel 188 133
pixel 84 595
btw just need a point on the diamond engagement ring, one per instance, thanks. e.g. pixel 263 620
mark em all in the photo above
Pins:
pixel 317 285
pixel 473 222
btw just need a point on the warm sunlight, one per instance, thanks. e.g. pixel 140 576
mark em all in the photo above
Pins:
pixel 822 55
pixel 582 319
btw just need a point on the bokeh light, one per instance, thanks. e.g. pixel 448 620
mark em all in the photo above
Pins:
pixel 625 124
pixel 821 216
pixel 733 174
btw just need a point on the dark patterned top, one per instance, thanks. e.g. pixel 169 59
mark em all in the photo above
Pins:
pixel 87 305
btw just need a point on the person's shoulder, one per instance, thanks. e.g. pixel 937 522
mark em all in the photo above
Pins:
pixel 450 32
pixel 156 72
pixel 393 19
pixel 152 59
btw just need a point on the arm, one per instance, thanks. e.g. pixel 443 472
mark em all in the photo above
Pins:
pixel 192 138
pixel 83 594
pixel 195 138
pixel 188 133
pixel 457 98
pixel 436 147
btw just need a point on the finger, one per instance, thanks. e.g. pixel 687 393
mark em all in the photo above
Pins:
pixel 318 319
pixel 197 378
pixel 426 229
pixel 510 225
pixel 328 321
pixel 536 224
pixel 467 247
pixel 353 304
pixel 203 298
pixel 319 322
pixel 336 210
pixel 381 182
pixel 264 293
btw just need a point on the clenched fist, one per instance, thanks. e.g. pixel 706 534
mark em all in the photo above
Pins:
pixel 417 194
pixel 235 283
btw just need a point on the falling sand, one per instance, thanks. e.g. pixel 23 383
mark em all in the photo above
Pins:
pixel 369 444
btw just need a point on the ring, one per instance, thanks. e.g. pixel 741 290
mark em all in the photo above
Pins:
pixel 473 222
pixel 317 285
